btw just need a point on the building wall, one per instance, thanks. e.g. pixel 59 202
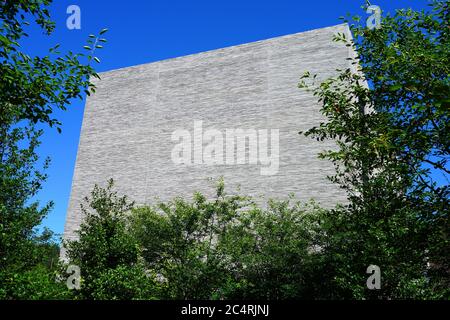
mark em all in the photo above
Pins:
pixel 128 123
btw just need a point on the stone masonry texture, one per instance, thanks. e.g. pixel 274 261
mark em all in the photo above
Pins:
pixel 128 123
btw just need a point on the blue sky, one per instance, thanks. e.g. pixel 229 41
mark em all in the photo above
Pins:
pixel 142 31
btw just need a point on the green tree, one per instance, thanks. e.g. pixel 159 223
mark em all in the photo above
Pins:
pixel 389 120
pixel 269 251
pixel 30 90
pixel 107 253
pixel 227 247
pixel 181 242
pixel 32 87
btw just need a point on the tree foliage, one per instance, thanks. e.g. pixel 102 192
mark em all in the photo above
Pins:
pixel 218 248
pixel 33 85
pixel 389 120
pixel 106 252
pixel 31 88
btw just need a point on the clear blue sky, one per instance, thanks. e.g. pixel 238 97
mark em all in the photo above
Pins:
pixel 142 31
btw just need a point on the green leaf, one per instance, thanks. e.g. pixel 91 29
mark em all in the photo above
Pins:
pixel 5 40
pixel 395 87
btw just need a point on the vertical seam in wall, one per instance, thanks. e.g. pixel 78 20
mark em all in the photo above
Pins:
pixel 268 95
pixel 151 136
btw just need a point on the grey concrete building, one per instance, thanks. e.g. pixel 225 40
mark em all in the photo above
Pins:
pixel 135 123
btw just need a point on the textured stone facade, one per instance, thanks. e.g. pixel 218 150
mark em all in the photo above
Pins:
pixel 128 123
